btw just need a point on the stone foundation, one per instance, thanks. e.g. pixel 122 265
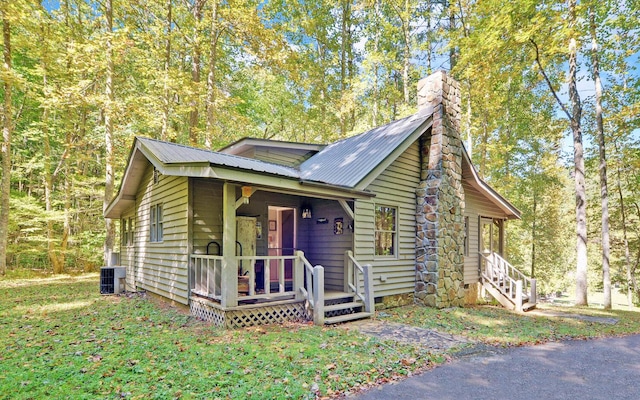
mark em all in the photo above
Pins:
pixel 393 301
pixel 440 198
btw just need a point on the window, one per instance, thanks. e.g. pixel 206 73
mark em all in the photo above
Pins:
pixel 466 236
pixel 131 232
pixel 156 176
pixel 155 223
pixel 124 235
pixel 126 238
pixel 386 231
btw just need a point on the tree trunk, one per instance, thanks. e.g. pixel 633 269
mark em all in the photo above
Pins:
pixel 604 194
pixel 578 159
pixel 533 234
pixel 625 241
pixel 5 181
pixel 406 30
pixel 166 101
pixel 344 45
pixel 109 136
pixel 195 73
pixel 211 77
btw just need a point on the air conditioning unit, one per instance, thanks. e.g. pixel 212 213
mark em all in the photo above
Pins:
pixel 112 280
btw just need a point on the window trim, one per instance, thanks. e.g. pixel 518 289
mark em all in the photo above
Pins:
pixel 132 230
pixel 395 232
pixel 156 223
pixel 467 230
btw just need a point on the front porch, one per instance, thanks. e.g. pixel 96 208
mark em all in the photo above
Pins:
pixel 218 294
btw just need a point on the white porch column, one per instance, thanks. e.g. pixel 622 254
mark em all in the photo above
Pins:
pixel 229 275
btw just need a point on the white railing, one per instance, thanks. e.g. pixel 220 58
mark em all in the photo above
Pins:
pixel 206 275
pixel 313 288
pixel 359 280
pixel 206 278
pixel 508 280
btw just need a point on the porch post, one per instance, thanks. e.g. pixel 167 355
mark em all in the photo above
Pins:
pixel 229 275
pixel 298 274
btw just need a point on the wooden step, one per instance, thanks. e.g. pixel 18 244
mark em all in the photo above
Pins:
pixel 343 306
pixel 347 317
pixel 331 295
pixel 528 306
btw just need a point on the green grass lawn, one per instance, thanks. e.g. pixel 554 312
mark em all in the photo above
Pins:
pixel 59 338
pixel 498 326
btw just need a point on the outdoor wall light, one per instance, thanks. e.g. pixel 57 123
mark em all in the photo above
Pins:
pixel 306 212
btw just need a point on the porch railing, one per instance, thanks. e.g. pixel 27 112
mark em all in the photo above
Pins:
pixel 512 283
pixel 359 280
pixel 206 275
pixel 313 289
pixel 206 278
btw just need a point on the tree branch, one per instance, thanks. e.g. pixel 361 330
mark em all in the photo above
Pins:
pixel 546 78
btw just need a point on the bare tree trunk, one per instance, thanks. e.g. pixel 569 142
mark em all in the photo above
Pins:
pixel 604 193
pixel 211 78
pixel 344 44
pixel 48 187
pixel 165 86
pixel 109 136
pixel 5 184
pixel 406 30
pixel 578 159
pixel 625 241
pixel 195 72
pixel 533 234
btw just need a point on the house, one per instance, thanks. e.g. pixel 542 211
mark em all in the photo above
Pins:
pixel 264 231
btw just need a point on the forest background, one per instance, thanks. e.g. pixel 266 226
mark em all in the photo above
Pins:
pixel 81 78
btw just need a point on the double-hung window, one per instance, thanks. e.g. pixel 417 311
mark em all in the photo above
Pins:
pixel 156 223
pixel 386 231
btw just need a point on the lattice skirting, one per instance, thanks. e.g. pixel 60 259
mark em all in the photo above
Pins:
pixel 261 315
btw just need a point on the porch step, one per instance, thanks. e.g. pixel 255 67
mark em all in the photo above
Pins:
pixel 347 317
pixel 343 306
pixel 528 306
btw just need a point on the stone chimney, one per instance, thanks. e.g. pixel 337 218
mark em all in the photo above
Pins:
pixel 440 198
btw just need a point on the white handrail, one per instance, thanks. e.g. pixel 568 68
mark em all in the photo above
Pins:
pixel 508 280
pixel 353 280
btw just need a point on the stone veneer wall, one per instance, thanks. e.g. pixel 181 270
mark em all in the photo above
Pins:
pixel 440 198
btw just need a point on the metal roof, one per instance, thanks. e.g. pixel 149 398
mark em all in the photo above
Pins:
pixel 347 162
pixel 172 153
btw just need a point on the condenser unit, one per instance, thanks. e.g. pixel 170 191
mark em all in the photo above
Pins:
pixel 112 280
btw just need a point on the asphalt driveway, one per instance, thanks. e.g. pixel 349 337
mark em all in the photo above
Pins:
pixel 580 369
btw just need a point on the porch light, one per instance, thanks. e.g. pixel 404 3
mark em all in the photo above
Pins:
pixel 306 212
pixel 246 191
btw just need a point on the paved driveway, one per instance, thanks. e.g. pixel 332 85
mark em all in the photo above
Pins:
pixel 592 369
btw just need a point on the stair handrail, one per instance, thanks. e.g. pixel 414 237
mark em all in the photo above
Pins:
pixel 353 280
pixel 313 289
pixel 501 274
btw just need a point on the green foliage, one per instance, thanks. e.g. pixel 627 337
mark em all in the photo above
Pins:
pixel 314 71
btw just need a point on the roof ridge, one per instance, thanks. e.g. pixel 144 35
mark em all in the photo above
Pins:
pixel 217 153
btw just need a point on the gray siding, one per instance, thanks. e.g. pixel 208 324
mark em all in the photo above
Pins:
pixel 206 214
pixel 476 206
pixel 395 187
pixel 161 267
pixel 325 247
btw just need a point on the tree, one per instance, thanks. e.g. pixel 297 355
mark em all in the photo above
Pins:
pixel 108 131
pixel 574 118
pixel 7 129
pixel 604 196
